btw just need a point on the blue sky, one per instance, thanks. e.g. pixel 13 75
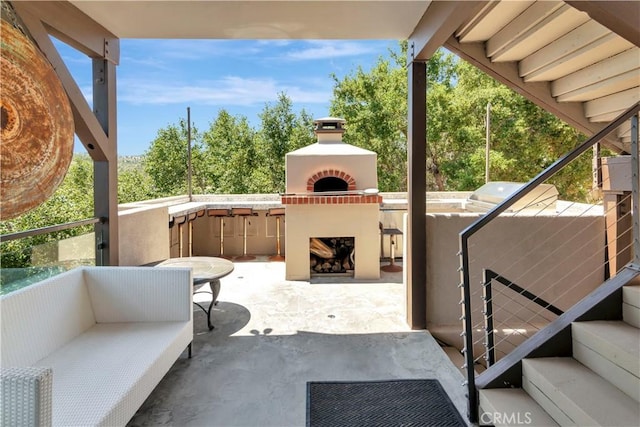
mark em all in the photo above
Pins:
pixel 159 79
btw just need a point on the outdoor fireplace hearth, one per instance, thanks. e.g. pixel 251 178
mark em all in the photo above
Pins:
pixel 331 190
pixel 332 256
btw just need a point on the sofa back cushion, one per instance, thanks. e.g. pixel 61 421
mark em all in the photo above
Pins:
pixel 38 319
pixel 139 294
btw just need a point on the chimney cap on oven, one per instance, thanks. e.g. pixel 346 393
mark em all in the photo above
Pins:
pixel 329 125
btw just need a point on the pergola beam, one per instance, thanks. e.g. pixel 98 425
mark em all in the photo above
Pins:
pixel 440 20
pixel 69 24
pixel 87 126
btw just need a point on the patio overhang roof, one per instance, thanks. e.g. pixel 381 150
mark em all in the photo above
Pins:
pixel 257 19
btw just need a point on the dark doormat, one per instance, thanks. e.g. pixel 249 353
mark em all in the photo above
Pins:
pixel 380 403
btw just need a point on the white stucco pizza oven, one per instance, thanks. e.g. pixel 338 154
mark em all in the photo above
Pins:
pixel 332 207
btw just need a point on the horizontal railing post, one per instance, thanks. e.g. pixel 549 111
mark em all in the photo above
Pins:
pixel 49 229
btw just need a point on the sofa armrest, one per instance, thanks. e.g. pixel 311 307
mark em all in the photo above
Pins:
pixel 140 294
pixel 26 396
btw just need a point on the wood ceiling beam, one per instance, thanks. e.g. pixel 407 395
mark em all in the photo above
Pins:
pixel 537 92
pixel 627 61
pixel 540 34
pixel 521 26
pixel 440 20
pixel 480 27
pixel 621 17
pixel 577 59
pixel 624 81
pixel 545 32
pixel 69 24
pixel 624 131
pixel 472 23
pixel 614 103
pixel 585 34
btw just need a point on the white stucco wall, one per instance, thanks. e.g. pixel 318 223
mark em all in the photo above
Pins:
pixel 524 250
pixel 361 167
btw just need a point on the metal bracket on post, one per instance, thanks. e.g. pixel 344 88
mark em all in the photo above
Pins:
pixel 111 50
pixel 101 242
pixel 635 183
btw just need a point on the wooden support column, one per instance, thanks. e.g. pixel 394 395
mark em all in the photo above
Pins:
pixel 438 23
pixel 105 174
pixel 417 188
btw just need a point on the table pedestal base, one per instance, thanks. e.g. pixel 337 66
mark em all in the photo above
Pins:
pixel 214 285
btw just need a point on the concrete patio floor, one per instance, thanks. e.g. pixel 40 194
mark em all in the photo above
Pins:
pixel 272 336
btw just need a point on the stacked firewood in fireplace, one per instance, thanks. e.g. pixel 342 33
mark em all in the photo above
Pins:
pixel 332 255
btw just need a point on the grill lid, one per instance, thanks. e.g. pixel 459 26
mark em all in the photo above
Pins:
pixel 491 194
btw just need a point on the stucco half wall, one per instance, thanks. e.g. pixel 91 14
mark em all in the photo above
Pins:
pixel 560 259
pixel 144 234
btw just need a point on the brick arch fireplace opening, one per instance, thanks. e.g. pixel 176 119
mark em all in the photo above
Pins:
pixel 331 180
pixel 330 183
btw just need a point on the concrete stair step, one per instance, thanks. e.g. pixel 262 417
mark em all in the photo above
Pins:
pixel 612 350
pixel 511 407
pixel 572 394
pixel 631 304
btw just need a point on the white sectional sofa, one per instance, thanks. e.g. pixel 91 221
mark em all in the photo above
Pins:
pixel 88 346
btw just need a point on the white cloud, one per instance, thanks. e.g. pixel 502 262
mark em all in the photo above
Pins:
pixel 274 42
pixel 326 49
pixel 148 62
pixel 227 91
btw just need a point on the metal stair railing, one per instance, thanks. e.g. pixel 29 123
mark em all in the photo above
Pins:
pixel 483 221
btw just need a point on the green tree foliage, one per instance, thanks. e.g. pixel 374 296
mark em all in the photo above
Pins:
pixel 231 150
pixel 374 104
pixel 524 138
pixel 166 161
pixel 134 185
pixel 230 157
pixel 282 131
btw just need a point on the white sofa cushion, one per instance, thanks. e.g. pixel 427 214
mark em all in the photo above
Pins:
pixel 105 374
pixel 42 317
